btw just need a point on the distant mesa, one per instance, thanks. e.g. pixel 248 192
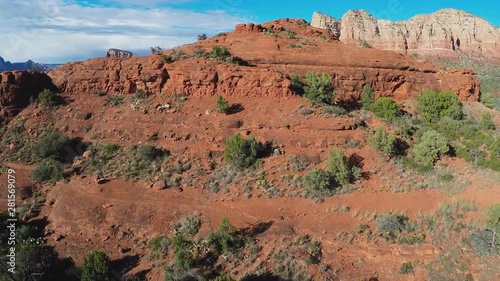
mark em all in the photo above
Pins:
pixel 443 33
pixel 28 65
pixel 117 53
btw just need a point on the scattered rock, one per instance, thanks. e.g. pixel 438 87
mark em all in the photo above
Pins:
pixel 159 185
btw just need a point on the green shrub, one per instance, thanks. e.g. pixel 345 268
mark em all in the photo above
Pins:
pixel 391 224
pixel 434 106
pixel 225 239
pixel 177 55
pixel 366 45
pixel 318 179
pixel 199 52
pixel 156 50
pixel 222 104
pixel 319 88
pixel 96 267
pixel 367 97
pixel 141 94
pixel 220 53
pixel 386 108
pixel 52 145
pixel 485 242
pixel 382 141
pixel 115 100
pixel 182 249
pixel 334 110
pixel 406 268
pixel 486 122
pixel 290 34
pixel 493 218
pixel 159 244
pixel 314 253
pixel 47 170
pixel 109 149
pixel 239 152
pixel 149 153
pixel 202 37
pixel 338 166
pixel 47 98
pixel 188 226
pixel 431 146
pixel 302 23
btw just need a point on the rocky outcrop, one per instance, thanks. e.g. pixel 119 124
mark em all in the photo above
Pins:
pixel 271 60
pixel 443 32
pixel 115 53
pixel 16 89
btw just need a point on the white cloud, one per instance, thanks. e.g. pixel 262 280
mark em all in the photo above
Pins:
pixel 55 31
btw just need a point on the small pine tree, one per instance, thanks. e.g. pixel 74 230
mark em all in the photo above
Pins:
pixel 220 53
pixel 382 141
pixel 486 122
pixel 337 165
pixel 202 37
pixel 367 97
pixel 319 88
pixel 386 108
pixel 222 104
pixel 241 153
pixel 432 145
pixel 434 106
pixel 47 98
pixel 96 267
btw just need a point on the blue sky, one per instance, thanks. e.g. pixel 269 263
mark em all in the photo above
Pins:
pixel 54 31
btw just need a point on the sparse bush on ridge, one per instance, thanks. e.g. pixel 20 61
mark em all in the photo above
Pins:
pixel 47 98
pixel 202 37
pixel 178 54
pixel 156 50
pixel 199 52
pixel 220 53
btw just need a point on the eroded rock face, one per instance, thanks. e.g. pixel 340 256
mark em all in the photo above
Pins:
pixel 445 32
pixel 16 89
pixel 271 62
pixel 115 53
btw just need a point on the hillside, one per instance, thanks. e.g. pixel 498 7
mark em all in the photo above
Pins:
pixel 272 152
pixel 441 34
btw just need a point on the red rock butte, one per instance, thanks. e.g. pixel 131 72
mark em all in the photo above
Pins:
pixel 273 51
